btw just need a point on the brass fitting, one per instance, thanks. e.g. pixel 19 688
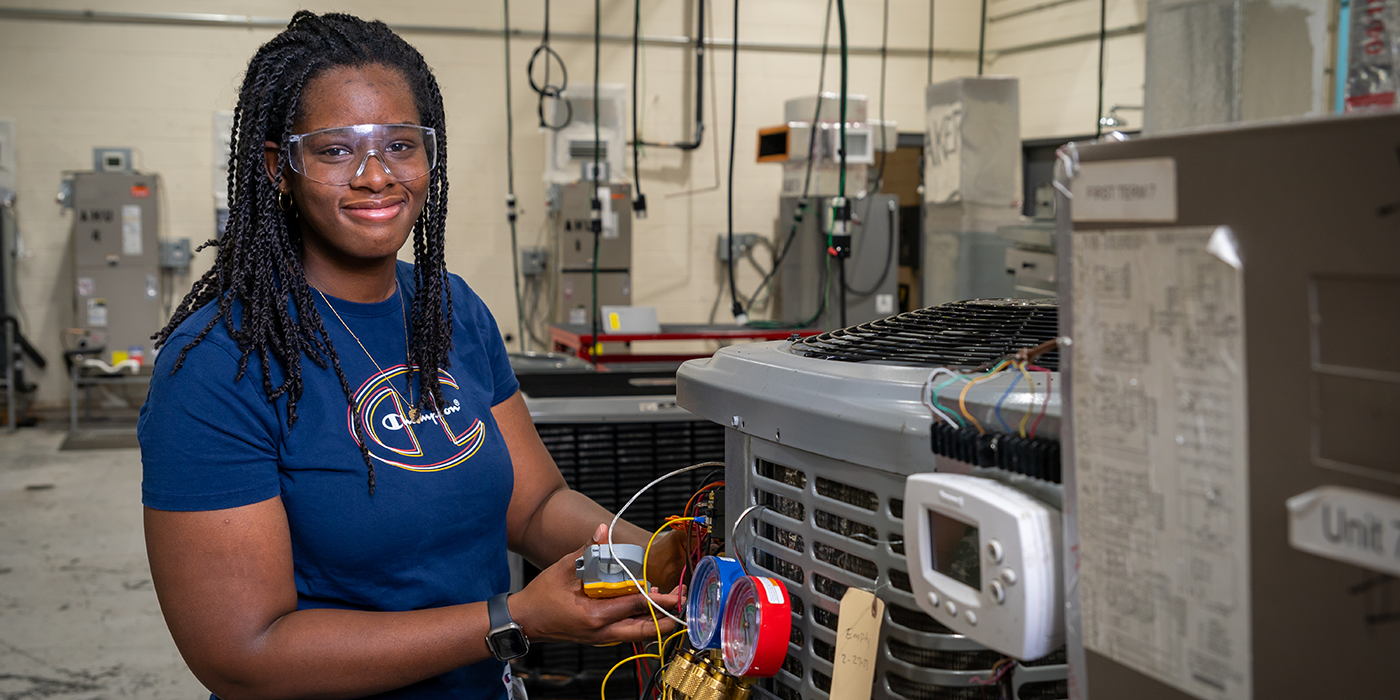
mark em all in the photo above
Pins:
pixel 677 670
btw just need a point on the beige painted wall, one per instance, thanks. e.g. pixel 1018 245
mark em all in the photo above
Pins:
pixel 73 86
pixel 1059 86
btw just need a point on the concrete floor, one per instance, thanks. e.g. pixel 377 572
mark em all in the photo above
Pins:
pixel 78 615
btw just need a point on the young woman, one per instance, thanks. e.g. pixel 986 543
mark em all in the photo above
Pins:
pixel 336 452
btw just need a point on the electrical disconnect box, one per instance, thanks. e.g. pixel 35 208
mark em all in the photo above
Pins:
pixel 571 209
pixel 116 261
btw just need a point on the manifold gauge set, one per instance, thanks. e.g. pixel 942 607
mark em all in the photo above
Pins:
pixel 738 626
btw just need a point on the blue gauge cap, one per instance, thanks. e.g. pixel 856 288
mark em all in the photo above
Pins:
pixel 709 591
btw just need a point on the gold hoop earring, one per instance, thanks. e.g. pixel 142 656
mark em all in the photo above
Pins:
pixel 285 201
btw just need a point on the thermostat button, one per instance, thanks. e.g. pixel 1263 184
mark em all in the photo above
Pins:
pixel 1009 576
pixel 933 599
pixel 998 592
pixel 971 618
pixel 994 551
pixel 951 607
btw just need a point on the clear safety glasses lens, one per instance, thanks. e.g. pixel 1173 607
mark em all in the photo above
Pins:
pixel 339 155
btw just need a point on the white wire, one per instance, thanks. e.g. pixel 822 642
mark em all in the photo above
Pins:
pixel 924 394
pixel 625 506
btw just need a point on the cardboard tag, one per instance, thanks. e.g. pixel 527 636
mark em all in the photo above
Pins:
pixel 857 645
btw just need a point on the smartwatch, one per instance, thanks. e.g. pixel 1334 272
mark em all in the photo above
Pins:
pixel 506 640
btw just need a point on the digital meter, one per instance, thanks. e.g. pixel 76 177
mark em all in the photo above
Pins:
pixel 984 560
pixel 709 590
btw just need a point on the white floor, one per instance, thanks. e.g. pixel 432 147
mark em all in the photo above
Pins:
pixel 78 616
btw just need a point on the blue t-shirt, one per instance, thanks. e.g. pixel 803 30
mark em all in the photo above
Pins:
pixel 434 531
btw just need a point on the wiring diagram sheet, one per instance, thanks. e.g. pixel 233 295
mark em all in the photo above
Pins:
pixel 1161 455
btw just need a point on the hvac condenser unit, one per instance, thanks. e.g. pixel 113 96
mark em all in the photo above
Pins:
pixel 824 433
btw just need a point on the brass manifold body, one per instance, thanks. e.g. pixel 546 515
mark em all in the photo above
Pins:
pixel 701 676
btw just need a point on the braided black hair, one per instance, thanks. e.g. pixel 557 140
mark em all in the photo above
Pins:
pixel 259 256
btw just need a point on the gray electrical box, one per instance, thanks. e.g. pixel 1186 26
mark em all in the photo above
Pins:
pixel 576 294
pixel 872 274
pixel 116 260
pixel 575 236
pixel 570 206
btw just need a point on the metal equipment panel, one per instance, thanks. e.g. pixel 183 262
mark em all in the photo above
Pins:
pixel 871 268
pixel 1304 217
pixel 116 259
pixel 575 237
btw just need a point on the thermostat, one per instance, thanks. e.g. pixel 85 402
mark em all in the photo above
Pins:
pixel 984 560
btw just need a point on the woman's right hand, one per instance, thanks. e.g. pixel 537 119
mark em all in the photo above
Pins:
pixel 553 607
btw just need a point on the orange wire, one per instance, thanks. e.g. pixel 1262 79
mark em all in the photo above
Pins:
pixel 962 398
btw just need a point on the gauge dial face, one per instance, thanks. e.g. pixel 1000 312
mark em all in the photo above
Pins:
pixel 742 624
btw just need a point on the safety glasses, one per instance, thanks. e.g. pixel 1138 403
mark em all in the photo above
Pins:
pixel 339 155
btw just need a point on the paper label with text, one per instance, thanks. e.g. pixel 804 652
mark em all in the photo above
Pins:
pixel 1161 457
pixel 1347 525
pixel 131 230
pixel 1125 190
pixel 857 644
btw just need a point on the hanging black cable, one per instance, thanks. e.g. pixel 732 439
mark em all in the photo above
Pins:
pixel 510 189
pixel 596 205
pixel 799 212
pixel 892 248
pixel 841 237
pixel 546 89
pixel 736 307
pixel 931 14
pixel 1103 40
pixel 698 133
pixel 639 200
pixel 982 39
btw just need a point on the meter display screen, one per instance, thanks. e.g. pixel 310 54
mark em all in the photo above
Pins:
pixel 956 549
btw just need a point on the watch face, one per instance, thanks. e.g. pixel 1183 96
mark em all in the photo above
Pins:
pixel 509 644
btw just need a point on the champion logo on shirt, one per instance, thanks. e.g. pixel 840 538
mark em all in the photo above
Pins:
pixel 436 441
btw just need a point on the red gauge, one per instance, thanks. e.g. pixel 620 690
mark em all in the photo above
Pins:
pixel 757 625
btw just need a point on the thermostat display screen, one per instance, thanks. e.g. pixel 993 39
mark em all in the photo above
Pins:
pixel 956 549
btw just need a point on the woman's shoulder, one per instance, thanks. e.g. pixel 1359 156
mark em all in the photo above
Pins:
pixel 463 296
pixel 200 319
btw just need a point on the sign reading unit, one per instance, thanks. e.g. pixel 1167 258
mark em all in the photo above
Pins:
pixel 984 560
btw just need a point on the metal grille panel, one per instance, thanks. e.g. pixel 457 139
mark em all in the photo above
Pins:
pixel 840 524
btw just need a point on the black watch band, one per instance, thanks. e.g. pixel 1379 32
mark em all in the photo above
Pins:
pixel 505 640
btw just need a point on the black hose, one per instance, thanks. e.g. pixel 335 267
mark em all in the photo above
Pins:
pixel 889 254
pixel 884 47
pixel 639 200
pixel 596 213
pixel 548 90
pixel 807 179
pixel 1103 40
pixel 844 212
pixel 510 189
pixel 698 135
pixel 736 307
pixel 982 39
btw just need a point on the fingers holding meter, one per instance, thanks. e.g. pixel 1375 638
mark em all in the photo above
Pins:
pixel 985 561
